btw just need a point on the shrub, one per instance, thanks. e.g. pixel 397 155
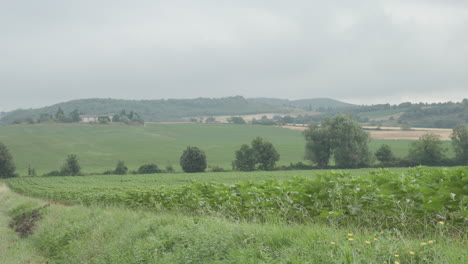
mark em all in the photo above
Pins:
pixel 193 160
pixel 53 173
pixel 121 169
pixel 148 169
pixel 169 168
pixel 217 169
pixel 7 166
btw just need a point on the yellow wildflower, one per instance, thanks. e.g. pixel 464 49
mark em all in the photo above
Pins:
pixel 430 241
pixel 350 234
pixel 350 239
pixel 411 253
pixel 423 244
pixel 396 256
pixel 375 239
pixel 396 262
pixel 441 223
pixel 368 242
pixel 332 243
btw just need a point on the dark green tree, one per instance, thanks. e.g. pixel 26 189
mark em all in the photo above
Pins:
pixel 236 120
pixel 193 159
pixel 7 166
pixel 460 142
pixel 349 142
pixel 385 155
pixel 60 115
pixel 318 145
pixel 71 167
pixel 341 137
pixel 265 154
pixel 120 168
pixel 103 119
pixel 245 159
pixel 75 116
pixel 428 150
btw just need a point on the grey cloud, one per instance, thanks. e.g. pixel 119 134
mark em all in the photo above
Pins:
pixel 365 52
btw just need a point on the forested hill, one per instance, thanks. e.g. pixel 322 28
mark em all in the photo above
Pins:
pixel 315 104
pixel 153 110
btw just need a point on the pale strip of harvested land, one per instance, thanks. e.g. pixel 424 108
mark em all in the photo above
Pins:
pixel 396 132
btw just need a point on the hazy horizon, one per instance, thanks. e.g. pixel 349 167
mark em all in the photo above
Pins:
pixel 369 52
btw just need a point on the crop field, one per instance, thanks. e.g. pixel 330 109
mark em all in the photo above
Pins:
pixel 416 215
pixel 99 147
pixel 424 195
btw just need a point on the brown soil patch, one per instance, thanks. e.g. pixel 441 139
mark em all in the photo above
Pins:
pixel 25 224
pixel 396 132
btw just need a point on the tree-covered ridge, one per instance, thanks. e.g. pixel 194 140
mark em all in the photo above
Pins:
pixel 153 110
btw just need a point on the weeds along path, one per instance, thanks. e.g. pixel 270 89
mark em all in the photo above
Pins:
pixel 14 249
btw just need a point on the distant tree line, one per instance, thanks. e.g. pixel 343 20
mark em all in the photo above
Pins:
pixel 339 138
pixel 74 117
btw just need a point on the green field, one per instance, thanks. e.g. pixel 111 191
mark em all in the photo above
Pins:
pixel 99 147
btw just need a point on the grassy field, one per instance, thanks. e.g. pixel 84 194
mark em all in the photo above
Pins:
pixel 113 235
pixel 99 147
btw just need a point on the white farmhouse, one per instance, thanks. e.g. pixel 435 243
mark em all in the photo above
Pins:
pixel 94 118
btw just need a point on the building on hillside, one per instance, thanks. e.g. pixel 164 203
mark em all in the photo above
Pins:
pixel 94 118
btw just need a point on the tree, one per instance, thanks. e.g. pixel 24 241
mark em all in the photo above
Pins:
pixel 121 169
pixel 318 145
pixel 385 155
pixel 103 119
pixel 236 120
pixel 245 160
pixel 75 116
pixel 71 167
pixel 428 150
pixel 193 160
pixel 341 137
pixel 265 154
pixel 210 120
pixel 7 166
pixel 460 142
pixel 349 142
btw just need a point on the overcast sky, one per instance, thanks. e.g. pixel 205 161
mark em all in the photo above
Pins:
pixel 363 52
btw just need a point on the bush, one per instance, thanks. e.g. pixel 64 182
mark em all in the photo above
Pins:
pixel 169 168
pixel 428 150
pixel 193 160
pixel 217 169
pixel 71 167
pixel 7 166
pixel 121 169
pixel 53 173
pixel 148 169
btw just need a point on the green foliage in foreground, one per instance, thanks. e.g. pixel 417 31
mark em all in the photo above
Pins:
pixel 116 235
pixel 415 199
